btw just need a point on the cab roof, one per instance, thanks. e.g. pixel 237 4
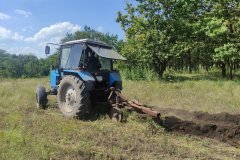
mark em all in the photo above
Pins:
pixel 100 48
pixel 88 41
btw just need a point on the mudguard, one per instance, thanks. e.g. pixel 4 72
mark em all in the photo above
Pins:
pixel 115 80
pixel 54 75
pixel 85 76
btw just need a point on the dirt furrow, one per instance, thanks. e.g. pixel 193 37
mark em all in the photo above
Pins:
pixel 221 126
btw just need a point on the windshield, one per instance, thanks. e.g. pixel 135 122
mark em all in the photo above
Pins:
pixel 64 56
pixel 105 63
pixel 74 56
pixel 71 56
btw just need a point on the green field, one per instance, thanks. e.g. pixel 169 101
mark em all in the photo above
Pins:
pixel 29 133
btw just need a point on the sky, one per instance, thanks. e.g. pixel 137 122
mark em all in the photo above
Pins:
pixel 27 25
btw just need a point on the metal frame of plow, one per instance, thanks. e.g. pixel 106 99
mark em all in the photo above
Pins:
pixel 121 102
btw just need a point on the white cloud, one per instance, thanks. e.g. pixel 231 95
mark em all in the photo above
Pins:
pixel 4 16
pixel 6 34
pixel 24 13
pixel 13 42
pixel 53 33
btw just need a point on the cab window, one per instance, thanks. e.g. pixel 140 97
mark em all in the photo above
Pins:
pixel 105 63
pixel 64 55
pixel 71 55
pixel 74 57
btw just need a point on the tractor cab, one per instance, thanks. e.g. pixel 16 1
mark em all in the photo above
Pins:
pixel 90 60
pixel 87 54
pixel 84 75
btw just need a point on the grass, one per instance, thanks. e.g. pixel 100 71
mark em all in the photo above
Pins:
pixel 204 95
pixel 29 133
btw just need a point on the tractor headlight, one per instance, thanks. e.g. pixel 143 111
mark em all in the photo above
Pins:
pixel 99 78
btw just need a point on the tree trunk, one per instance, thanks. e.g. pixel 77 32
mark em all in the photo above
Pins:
pixel 231 70
pixel 235 66
pixel 160 68
pixel 130 73
pixel 182 64
pixel 223 66
pixel 190 62
pixel 207 68
pixel 198 62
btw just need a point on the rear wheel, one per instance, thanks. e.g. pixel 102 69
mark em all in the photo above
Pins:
pixel 73 97
pixel 41 97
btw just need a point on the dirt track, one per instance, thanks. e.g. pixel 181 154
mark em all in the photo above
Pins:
pixel 222 126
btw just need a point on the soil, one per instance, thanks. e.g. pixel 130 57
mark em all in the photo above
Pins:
pixel 222 126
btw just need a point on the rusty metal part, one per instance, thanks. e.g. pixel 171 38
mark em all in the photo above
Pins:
pixel 145 110
pixel 119 101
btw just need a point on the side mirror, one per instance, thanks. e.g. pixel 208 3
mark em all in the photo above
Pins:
pixel 47 50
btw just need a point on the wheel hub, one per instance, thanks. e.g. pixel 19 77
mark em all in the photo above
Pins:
pixel 70 99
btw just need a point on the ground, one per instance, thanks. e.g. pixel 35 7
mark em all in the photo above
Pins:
pixel 29 133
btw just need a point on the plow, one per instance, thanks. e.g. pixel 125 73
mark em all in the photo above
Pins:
pixel 118 102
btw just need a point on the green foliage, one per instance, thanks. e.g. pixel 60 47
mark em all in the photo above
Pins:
pixel 89 33
pixel 155 29
pixel 181 34
pixel 15 66
pixel 226 52
pixel 221 25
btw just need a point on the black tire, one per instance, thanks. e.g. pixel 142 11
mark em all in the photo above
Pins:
pixel 73 97
pixel 41 97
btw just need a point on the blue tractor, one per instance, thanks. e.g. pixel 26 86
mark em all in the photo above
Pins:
pixel 83 77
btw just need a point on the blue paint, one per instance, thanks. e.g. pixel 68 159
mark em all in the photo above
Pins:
pixel 53 81
pixel 85 76
pixel 114 77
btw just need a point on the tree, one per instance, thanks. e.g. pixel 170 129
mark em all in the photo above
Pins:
pixel 228 53
pixel 222 26
pixel 89 33
pixel 159 31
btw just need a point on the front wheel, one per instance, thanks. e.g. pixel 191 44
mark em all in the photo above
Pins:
pixel 73 97
pixel 41 97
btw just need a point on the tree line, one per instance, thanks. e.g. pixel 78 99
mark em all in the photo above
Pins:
pixel 15 66
pixel 24 66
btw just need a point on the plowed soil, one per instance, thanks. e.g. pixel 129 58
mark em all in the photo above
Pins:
pixel 222 126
